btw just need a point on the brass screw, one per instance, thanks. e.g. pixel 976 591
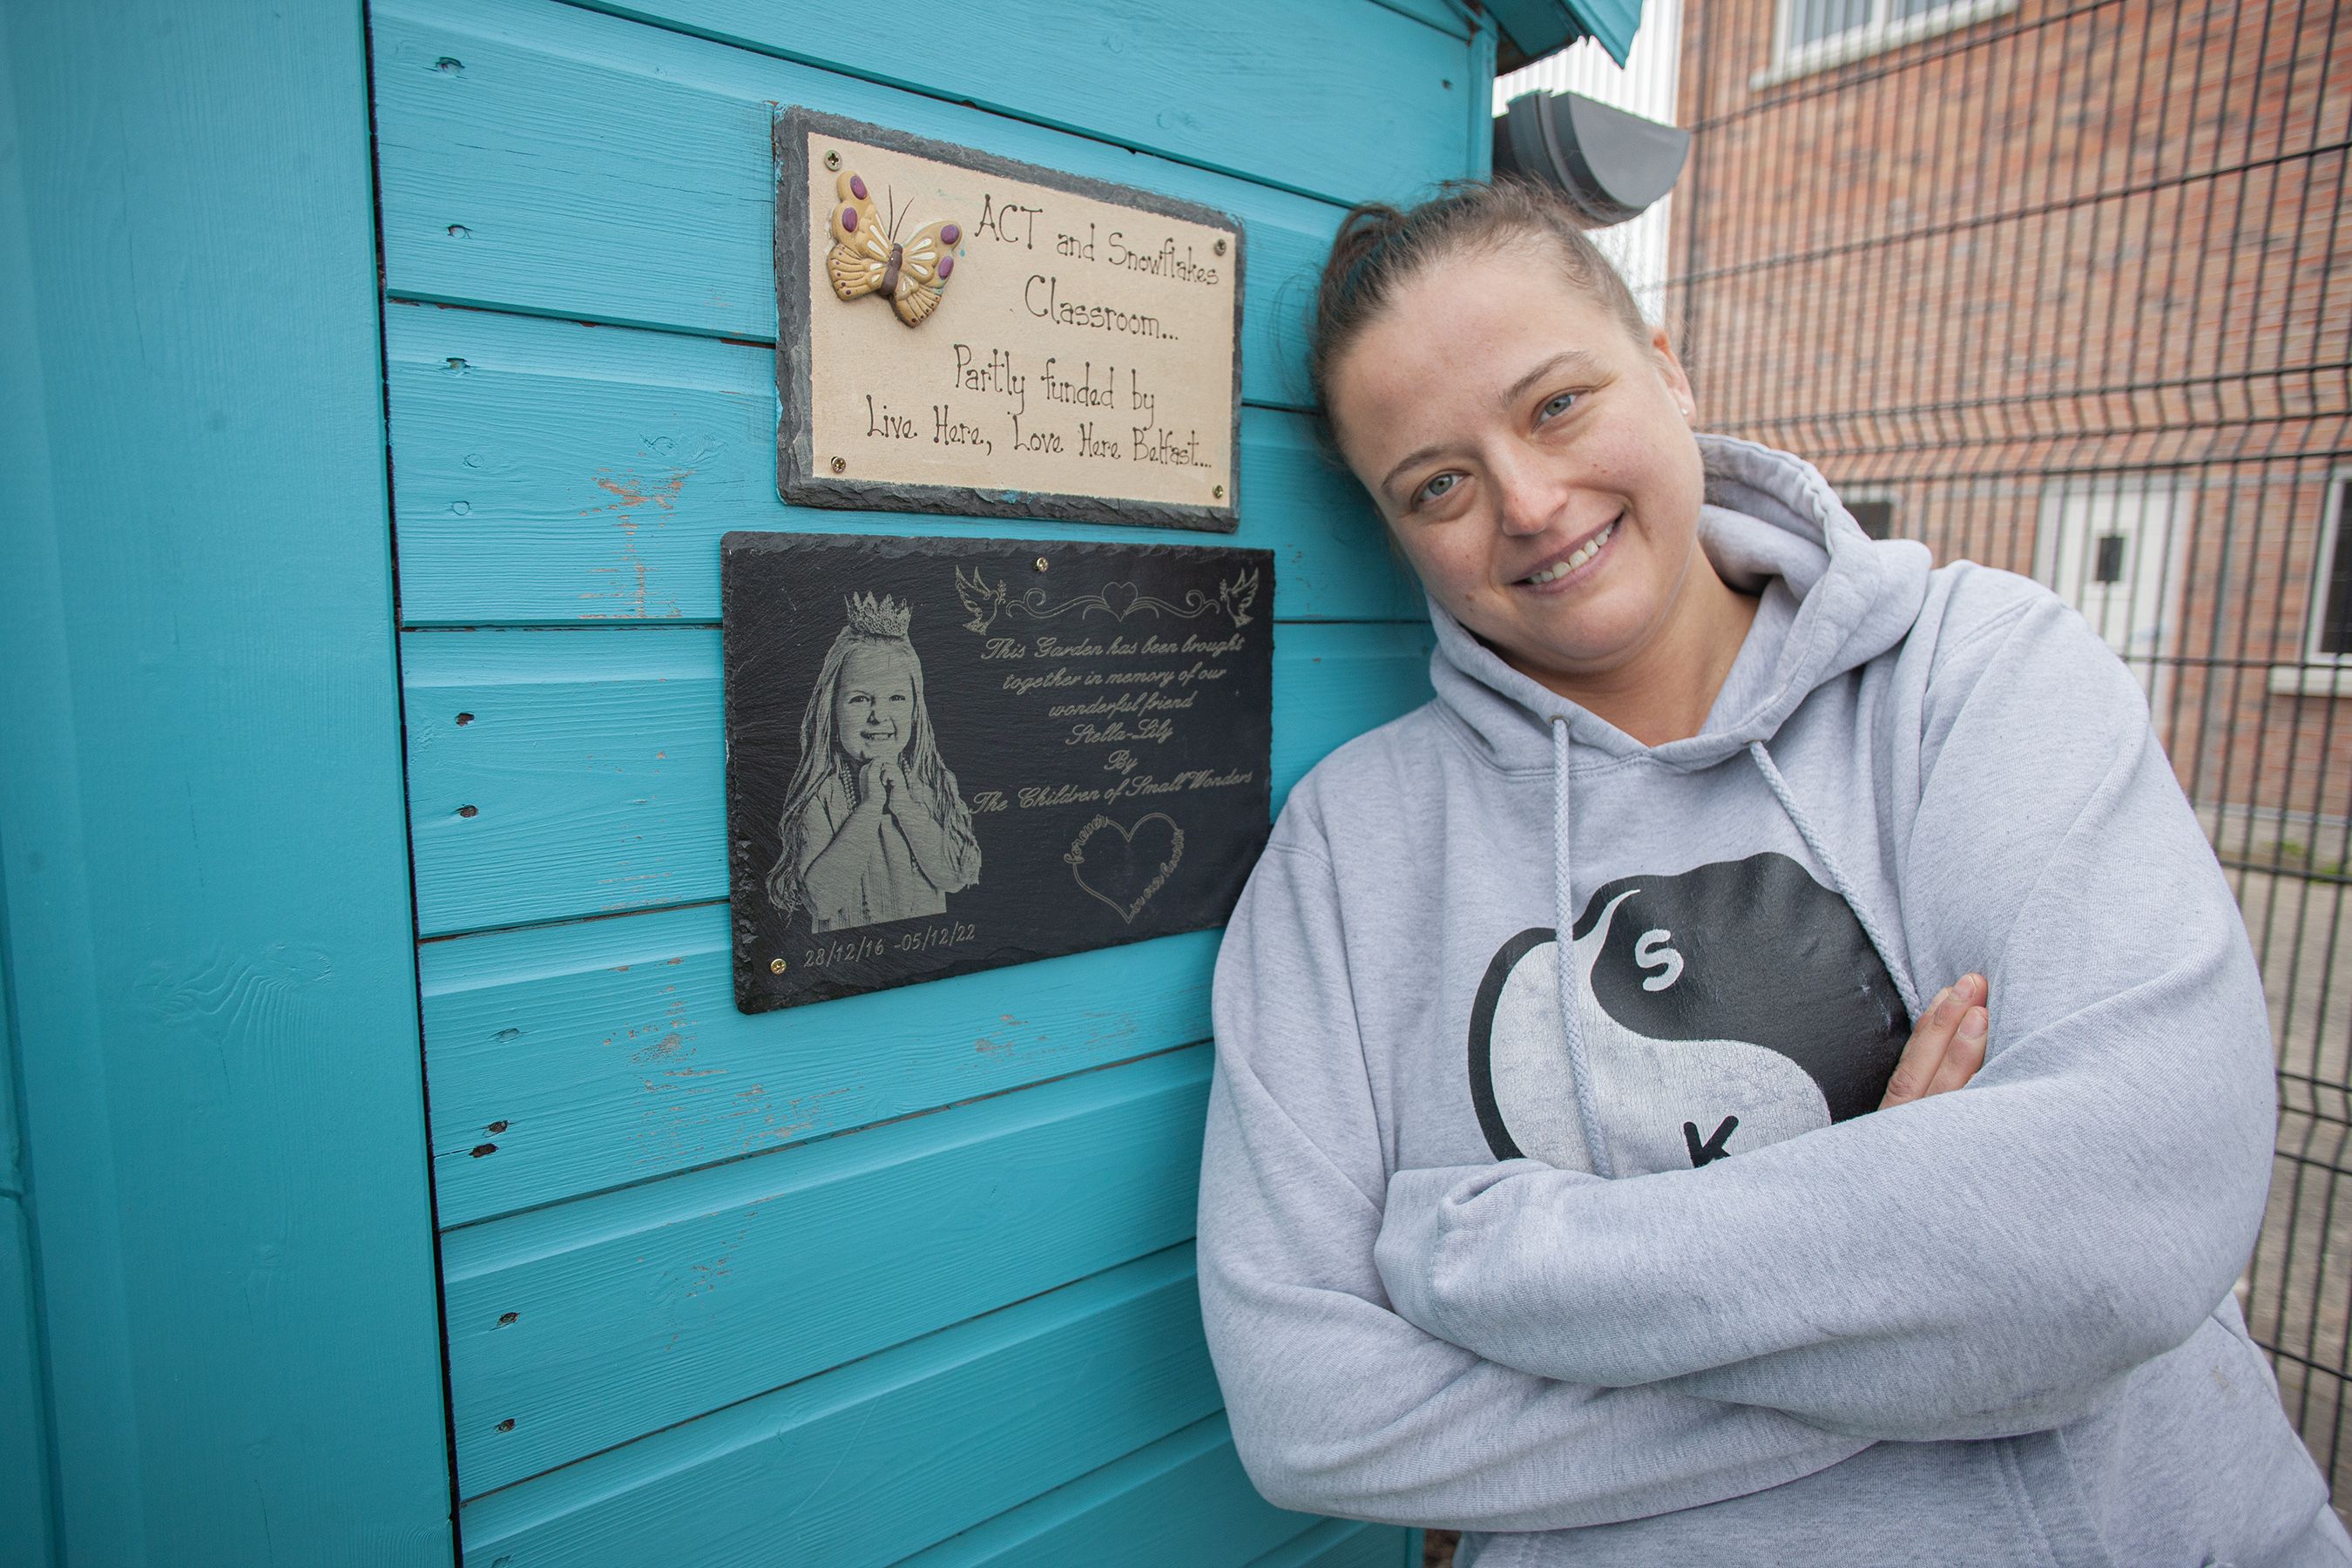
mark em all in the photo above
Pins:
pixel 777 966
pixel 1039 564
pixel 833 160
pixel 1218 491
pixel 840 465
pixel 1221 248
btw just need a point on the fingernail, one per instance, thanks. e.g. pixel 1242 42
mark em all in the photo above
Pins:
pixel 1975 983
pixel 1973 1022
pixel 1941 997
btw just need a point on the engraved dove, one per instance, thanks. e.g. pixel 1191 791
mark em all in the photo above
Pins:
pixel 979 597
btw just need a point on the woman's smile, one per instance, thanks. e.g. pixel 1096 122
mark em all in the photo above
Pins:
pixel 1565 569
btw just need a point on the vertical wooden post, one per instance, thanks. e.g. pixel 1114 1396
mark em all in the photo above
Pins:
pixel 205 912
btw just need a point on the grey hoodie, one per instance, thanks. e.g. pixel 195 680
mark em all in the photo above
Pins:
pixel 1995 1326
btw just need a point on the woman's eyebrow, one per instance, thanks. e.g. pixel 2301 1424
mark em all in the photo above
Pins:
pixel 1566 359
pixel 1420 454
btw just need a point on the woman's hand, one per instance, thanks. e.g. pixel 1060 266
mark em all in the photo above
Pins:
pixel 1947 1046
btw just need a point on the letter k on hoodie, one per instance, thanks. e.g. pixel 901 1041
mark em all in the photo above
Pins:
pixel 1529 1237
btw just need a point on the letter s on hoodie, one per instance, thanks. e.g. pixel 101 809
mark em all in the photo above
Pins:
pixel 1739 992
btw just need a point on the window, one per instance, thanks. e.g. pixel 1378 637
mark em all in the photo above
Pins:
pixel 1874 509
pixel 2112 545
pixel 2326 666
pixel 2110 566
pixel 1811 35
pixel 2330 639
pixel 1875 513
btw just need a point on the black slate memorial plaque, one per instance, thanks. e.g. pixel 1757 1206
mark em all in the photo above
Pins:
pixel 945 755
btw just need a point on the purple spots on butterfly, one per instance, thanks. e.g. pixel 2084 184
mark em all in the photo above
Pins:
pixel 872 256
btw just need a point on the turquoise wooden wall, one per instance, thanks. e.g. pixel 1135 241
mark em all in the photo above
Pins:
pixel 905 1277
pixel 218 1345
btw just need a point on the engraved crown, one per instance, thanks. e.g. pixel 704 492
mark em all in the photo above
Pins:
pixel 880 617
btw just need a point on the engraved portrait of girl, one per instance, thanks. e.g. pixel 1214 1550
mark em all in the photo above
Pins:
pixel 874 826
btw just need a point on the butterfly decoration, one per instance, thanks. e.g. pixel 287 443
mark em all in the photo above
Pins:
pixel 867 257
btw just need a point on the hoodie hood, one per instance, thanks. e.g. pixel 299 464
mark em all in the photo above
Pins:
pixel 1843 599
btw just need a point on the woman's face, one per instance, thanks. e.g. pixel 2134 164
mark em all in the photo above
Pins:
pixel 1533 458
pixel 874 706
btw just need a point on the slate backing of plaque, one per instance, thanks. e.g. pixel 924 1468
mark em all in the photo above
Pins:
pixel 1111 788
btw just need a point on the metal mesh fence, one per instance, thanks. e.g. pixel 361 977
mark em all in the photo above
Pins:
pixel 2054 287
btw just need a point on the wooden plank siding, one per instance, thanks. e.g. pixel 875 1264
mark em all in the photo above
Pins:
pixel 571 1058
pixel 554 473
pixel 588 1324
pixel 906 1276
pixel 1342 1544
pixel 822 1464
pixel 1182 1499
pixel 502 187
pixel 587 779
pixel 1330 100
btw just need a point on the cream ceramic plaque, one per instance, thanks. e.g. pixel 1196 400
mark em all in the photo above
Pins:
pixel 959 333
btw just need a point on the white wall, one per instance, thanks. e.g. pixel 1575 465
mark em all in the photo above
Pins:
pixel 1645 86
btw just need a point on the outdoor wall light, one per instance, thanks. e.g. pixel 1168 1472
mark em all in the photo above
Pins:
pixel 1612 165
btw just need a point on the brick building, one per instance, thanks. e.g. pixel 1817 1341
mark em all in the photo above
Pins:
pixel 2053 285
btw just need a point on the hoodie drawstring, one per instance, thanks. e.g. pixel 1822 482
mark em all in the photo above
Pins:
pixel 1580 1064
pixel 1788 799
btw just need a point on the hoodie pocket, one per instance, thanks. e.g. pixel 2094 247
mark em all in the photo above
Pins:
pixel 2196 1458
pixel 2053 1497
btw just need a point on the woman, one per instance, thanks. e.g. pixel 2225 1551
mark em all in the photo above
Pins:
pixel 1602 1249
pixel 874 826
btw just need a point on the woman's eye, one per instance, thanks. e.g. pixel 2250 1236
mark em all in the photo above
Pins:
pixel 1436 487
pixel 1555 406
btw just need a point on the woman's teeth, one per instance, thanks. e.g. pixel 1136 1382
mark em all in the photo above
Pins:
pixel 1590 548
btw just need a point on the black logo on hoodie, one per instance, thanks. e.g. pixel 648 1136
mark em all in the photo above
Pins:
pixel 1741 997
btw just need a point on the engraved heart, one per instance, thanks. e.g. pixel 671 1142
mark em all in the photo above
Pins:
pixel 1113 867
pixel 1118 598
